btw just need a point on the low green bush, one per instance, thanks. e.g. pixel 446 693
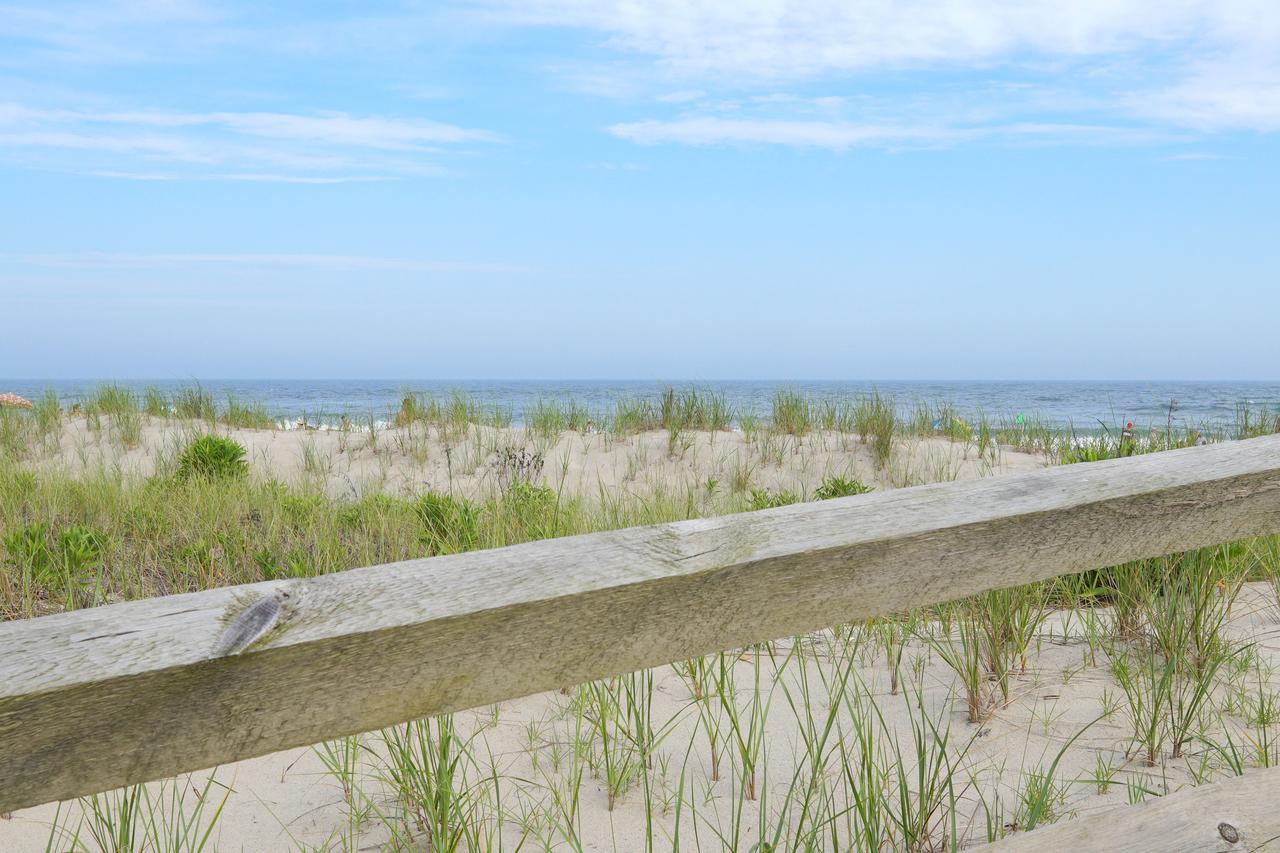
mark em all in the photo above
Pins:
pixel 839 487
pixel 764 499
pixel 213 457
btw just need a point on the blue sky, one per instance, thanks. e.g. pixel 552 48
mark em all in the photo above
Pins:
pixel 560 189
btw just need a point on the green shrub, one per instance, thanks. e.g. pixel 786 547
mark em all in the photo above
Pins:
pixel 68 567
pixel 28 548
pixel 213 457
pixel 839 487
pixel 79 555
pixel 764 499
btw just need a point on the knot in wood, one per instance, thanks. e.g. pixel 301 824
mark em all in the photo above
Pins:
pixel 1228 832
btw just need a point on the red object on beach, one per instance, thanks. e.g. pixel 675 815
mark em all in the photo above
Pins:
pixel 14 400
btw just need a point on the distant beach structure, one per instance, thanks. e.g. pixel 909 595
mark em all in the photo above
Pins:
pixel 14 400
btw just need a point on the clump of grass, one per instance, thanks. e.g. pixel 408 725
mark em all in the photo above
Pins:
pixel 631 415
pixel 47 413
pixel 179 816
pixel 746 725
pixel 113 400
pixel 765 499
pixel 15 433
pixel 1251 422
pixel 154 402
pixel 453 417
pixel 546 419
pixel 549 418
pixel 525 512
pixel 834 415
pixel 24 430
pixel 840 487
pixel 251 415
pixel 876 419
pixel 620 758
pixel 411 409
pixel 440 793
pixel 986 439
pixel 958 643
pixel 192 402
pixel 691 409
pixel 792 413
pixel 212 457
pixel 66 566
pixel 985 640
pixel 449 525
pixel 1170 654
pixel 1030 434
pixel 902 798
pixel 121 407
pixel 126 428
pixel 937 419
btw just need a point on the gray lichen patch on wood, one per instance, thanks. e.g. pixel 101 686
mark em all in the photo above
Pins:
pixel 254 621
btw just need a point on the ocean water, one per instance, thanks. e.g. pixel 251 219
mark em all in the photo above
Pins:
pixel 1084 405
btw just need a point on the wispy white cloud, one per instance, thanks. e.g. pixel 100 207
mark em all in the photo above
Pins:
pixel 324 147
pixel 1242 93
pixel 841 135
pixel 796 39
pixel 1201 65
pixel 330 127
pixel 269 178
pixel 710 130
pixel 921 72
pixel 1192 155
pixel 127 260
pixel 104 30
pixel 682 96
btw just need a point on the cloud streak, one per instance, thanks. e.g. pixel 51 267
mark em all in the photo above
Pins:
pixel 843 135
pixel 127 260
pixel 323 147
pixel 1207 66
pixel 803 39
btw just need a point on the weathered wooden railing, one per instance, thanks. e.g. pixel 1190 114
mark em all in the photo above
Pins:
pixel 94 699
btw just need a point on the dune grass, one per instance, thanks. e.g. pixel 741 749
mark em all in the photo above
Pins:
pixel 792 413
pixel 246 415
pixel 866 736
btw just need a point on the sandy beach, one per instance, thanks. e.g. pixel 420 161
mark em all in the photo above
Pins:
pixel 1062 722
pixel 412 459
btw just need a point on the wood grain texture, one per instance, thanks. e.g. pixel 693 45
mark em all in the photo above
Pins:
pixel 1238 814
pixel 94 699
